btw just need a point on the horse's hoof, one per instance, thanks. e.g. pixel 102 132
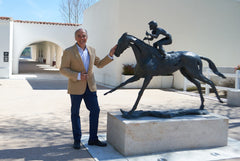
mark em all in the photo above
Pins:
pixel 125 114
pixel 122 111
pixel 106 93
pixel 201 107
pixel 221 101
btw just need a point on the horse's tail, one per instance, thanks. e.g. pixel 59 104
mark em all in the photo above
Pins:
pixel 213 67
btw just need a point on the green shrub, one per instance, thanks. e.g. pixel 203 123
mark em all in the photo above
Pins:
pixel 128 69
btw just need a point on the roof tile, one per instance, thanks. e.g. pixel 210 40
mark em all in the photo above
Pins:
pixel 40 22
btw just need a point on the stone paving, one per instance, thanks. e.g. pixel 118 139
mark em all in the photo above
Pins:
pixel 35 115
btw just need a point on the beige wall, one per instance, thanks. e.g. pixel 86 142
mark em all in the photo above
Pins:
pixel 206 27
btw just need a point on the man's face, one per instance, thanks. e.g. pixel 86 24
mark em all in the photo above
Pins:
pixel 81 38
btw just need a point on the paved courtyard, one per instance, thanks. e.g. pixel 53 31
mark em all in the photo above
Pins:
pixel 35 115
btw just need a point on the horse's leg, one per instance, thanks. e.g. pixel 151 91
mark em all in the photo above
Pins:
pixel 196 71
pixel 140 93
pixel 202 78
pixel 197 84
pixel 132 79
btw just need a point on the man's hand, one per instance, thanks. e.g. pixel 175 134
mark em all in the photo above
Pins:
pixel 84 76
pixel 112 51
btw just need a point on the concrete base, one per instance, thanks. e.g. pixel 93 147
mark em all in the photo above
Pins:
pixel 233 97
pixel 150 135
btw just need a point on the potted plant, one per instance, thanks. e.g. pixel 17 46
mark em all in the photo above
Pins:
pixel 128 69
pixel 237 68
pixel 128 72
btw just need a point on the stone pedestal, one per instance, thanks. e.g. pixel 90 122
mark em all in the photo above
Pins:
pixel 233 97
pixel 149 135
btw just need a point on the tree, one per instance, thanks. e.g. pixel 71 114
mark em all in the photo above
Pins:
pixel 72 10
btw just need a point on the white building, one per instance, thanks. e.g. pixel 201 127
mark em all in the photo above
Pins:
pixel 209 28
pixel 46 39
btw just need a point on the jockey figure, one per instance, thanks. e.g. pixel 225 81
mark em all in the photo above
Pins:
pixel 156 31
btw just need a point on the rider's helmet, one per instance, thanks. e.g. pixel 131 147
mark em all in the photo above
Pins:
pixel 153 24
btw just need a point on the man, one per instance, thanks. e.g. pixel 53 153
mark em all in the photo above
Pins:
pixel 156 31
pixel 77 65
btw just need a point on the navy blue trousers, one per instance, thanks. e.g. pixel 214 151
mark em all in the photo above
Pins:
pixel 91 102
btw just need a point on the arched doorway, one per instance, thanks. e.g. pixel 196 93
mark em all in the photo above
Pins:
pixel 39 57
pixel 39 64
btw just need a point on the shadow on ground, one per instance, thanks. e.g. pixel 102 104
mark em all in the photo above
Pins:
pixel 50 153
pixel 45 84
pixel 37 138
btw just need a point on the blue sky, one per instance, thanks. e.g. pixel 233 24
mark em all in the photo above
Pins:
pixel 31 10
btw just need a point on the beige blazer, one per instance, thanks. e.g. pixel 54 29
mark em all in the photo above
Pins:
pixel 72 64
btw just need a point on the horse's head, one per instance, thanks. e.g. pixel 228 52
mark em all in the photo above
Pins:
pixel 123 44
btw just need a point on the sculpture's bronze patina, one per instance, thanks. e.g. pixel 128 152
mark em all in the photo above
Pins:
pixel 150 63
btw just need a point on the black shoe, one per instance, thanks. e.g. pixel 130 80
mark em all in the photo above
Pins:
pixel 97 143
pixel 76 145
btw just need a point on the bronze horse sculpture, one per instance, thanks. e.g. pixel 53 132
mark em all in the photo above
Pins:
pixel 150 63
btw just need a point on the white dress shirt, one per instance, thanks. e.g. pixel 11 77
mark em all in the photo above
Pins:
pixel 85 58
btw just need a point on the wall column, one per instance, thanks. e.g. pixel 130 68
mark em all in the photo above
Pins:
pixel 59 56
pixel 47 53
